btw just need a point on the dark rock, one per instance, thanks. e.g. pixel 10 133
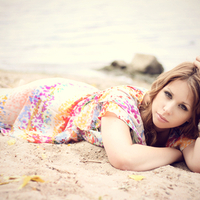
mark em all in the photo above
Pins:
pixel 143 67
pixel 119 64
pixel 146 64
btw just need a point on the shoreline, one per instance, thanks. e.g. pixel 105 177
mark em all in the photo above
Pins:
pixel 16 78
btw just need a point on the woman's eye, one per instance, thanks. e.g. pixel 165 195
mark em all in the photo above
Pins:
pixel 183 107
pixel 168 94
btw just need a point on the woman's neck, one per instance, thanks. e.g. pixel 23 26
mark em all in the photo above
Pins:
pixel 162 137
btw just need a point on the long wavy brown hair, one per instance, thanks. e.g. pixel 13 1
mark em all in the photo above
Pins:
pixel 185 71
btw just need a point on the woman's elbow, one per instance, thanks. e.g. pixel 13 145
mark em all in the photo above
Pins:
pixel 194 168
pixel 119 163
pixel 123 163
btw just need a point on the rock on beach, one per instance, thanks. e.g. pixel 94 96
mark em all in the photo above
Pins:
pixel 142 66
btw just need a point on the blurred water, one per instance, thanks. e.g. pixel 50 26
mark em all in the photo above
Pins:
pixel 74 36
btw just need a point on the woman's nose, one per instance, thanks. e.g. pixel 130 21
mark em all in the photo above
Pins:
pixel 168 108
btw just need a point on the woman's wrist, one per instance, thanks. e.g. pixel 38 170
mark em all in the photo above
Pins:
pixel 179 156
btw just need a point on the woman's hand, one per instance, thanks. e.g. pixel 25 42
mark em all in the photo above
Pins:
pixel 197 62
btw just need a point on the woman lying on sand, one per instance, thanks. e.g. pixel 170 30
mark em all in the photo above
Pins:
pixel 140 129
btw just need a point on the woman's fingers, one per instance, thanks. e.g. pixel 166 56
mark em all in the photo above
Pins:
pixel 197 62
pixel 198 58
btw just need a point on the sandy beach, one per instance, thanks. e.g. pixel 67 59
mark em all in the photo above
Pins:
pixel 82 170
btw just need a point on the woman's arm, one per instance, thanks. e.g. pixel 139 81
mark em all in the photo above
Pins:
pixel 192 152
pixel 192 156
pixel 124 155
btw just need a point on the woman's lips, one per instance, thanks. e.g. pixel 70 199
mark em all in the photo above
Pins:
pixel 161 118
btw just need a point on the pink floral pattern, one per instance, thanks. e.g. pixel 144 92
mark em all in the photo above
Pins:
pixel 61 111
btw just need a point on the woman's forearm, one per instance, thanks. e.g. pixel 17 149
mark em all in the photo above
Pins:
pixel 140 158
pixel 192 156
pixel 197 149
pixel 125 155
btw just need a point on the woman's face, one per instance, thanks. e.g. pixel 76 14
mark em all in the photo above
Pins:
pixel 172 106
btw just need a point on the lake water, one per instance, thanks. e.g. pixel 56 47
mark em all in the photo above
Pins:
pixel 75 36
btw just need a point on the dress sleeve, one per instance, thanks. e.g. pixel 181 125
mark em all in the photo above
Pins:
pixel 124 101
pixel 178 141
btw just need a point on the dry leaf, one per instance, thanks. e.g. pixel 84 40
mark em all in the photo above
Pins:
pixel 31 178
pixel 40 147
pixel 37 179
pixel 3 183
pixel 11 141
pixel 10 179
pixel 43 156
pixel 26 180
pixel 136 177
pixel 13 178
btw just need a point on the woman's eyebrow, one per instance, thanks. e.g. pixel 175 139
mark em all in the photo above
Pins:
pixel 182 102
pixel 170 91
pixel 186 103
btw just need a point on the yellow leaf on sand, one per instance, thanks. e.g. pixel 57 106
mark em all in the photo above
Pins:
pixel 3 183
pixel 137 177
pixel 37 179
pixel 12 178
pixel 11 141
pixel 26 180
pixel 31 178
pixel 43 156
pixel 9 179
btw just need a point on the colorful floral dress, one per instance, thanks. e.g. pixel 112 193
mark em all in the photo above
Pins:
pixel 59 110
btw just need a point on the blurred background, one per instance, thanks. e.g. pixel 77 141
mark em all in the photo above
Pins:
pixel 77 36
